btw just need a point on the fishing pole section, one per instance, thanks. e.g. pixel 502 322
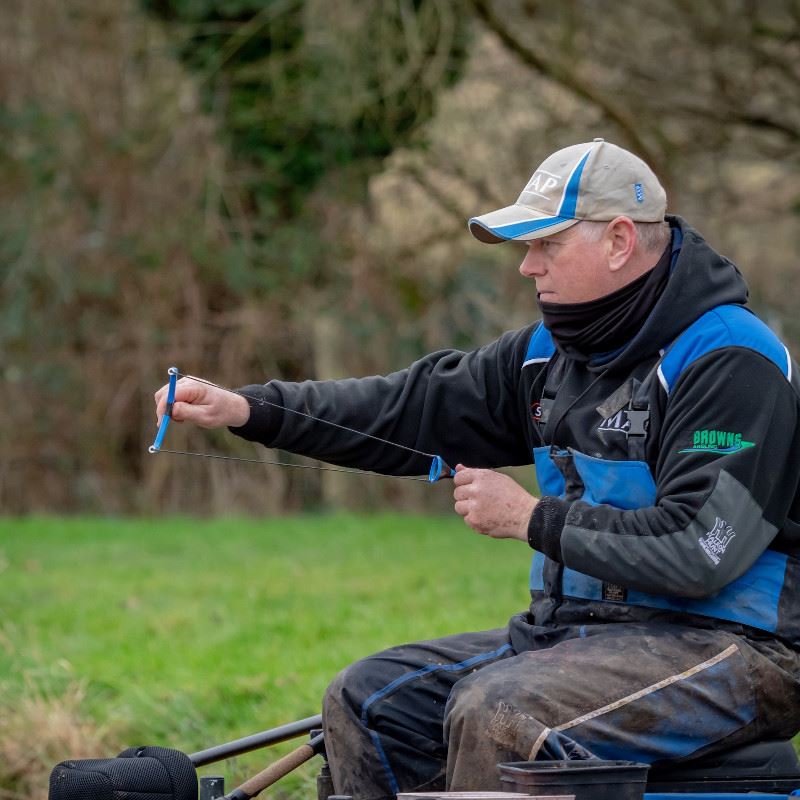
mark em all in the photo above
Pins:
pixel 212 787
pixel 439 468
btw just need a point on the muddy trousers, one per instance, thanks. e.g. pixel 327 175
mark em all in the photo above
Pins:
pixel 443 713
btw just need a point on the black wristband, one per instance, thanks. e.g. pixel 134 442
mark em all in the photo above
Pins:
pixel 545 526
pixel 265 419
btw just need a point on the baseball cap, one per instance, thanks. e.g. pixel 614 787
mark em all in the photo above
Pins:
pixel 592 181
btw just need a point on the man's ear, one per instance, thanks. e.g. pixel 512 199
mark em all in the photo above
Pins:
pixel 620 242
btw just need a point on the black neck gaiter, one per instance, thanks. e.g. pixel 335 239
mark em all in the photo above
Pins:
pixel 606 324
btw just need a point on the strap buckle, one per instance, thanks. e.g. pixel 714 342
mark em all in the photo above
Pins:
pixel 638 421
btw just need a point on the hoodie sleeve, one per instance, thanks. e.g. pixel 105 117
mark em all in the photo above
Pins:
pixel 464 407
pixel 726 476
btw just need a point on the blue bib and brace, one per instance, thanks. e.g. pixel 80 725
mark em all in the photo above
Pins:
pixel 752 599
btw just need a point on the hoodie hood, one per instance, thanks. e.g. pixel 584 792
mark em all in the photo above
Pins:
pixel 700 279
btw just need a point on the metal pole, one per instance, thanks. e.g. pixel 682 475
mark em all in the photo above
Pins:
pixel 264 739
pixel 274 772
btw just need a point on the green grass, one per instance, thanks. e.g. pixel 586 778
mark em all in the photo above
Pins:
pixel 188 633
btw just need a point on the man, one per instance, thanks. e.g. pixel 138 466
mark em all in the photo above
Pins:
pixel 662 417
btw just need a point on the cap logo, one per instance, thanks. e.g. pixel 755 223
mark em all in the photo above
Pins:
pixel 541 183
pixel 638 190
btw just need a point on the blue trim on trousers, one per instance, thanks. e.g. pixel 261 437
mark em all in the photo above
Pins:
pixel 390 687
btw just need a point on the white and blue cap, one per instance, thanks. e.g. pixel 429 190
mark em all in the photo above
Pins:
pixel 595 181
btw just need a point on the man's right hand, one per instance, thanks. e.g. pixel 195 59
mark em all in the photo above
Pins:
pixel 204 405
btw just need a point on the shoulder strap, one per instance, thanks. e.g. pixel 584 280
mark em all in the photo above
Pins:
pixel 540 346
pixel 724 326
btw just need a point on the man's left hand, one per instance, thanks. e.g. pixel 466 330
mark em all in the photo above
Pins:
pixel 492 503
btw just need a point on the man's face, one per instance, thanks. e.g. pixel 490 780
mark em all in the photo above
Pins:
pixel 568 269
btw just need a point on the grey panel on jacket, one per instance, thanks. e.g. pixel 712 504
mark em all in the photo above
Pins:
pixel 722 542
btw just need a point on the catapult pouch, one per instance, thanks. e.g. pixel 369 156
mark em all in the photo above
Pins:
pixel 139 773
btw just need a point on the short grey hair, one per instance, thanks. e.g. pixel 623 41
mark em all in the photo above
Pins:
pixel 651 236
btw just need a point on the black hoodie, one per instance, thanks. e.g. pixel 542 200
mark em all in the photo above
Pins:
pixel 721 439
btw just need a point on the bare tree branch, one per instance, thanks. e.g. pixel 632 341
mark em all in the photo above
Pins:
pixel 569 80
pixel 434 192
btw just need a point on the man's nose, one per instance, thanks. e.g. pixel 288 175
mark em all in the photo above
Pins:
pixel 531 266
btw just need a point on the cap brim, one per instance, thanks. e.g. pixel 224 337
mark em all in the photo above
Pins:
pixel 517 223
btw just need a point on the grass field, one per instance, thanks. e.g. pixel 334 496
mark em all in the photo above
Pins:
pixel 188 633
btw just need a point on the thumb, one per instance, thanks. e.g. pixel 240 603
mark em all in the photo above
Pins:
pixel 190 391
pixel 460 478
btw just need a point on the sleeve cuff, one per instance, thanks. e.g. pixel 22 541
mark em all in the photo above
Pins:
pixel 546 525
pixel 264 422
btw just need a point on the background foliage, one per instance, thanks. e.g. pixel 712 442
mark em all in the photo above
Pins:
pixel 252 189
pixel 279 189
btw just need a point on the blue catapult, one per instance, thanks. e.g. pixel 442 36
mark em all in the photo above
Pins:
pixel 162 428
pixel 439 468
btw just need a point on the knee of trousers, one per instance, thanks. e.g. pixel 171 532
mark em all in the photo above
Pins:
pixel 488 713
pixel 471 701
pixel 351 687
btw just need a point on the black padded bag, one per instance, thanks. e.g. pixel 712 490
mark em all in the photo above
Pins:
pixel 139 773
